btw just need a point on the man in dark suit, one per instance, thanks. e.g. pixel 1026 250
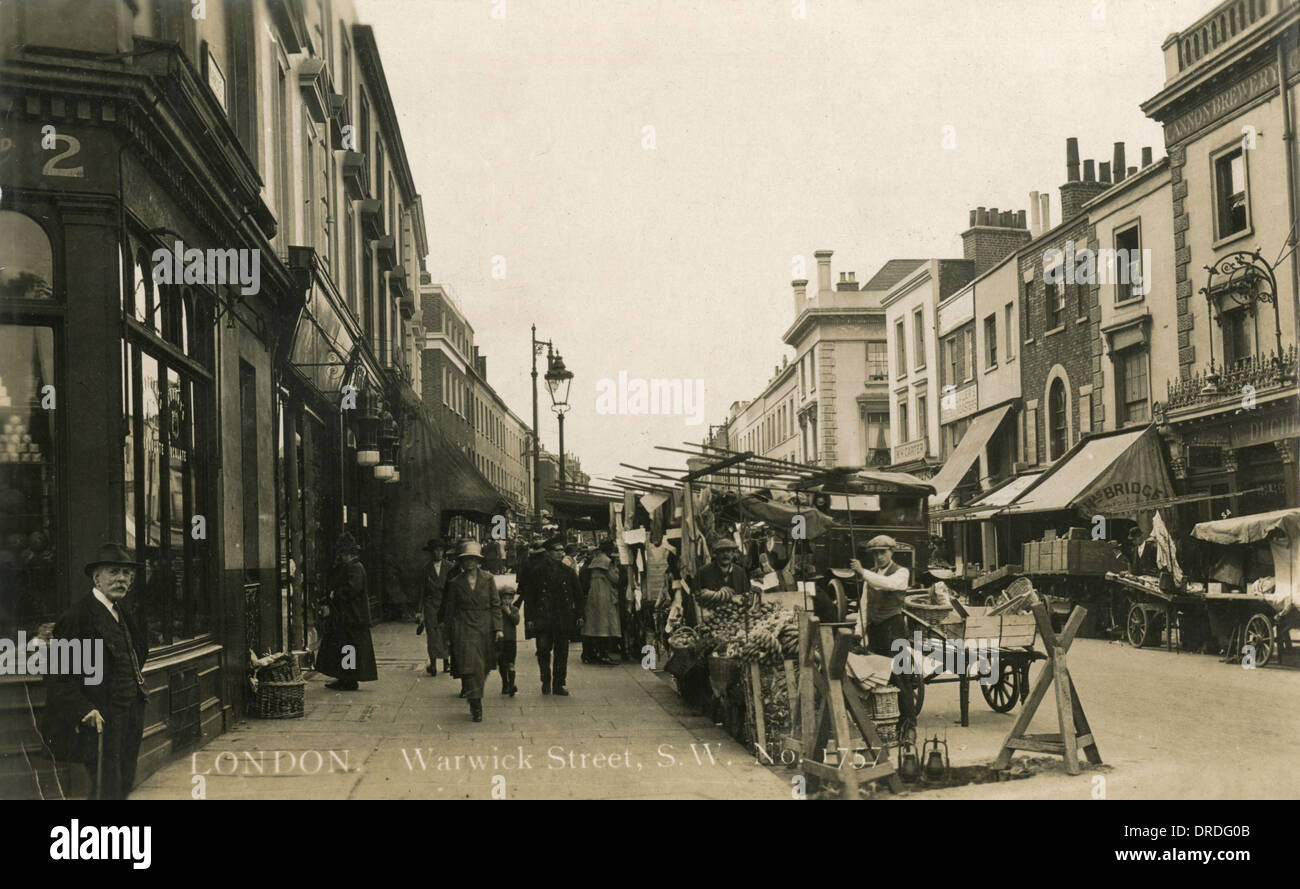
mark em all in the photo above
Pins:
pixel 552 598
pixel 114 708
pixel 436 573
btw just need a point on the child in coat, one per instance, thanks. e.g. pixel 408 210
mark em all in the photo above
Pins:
pixel 508 647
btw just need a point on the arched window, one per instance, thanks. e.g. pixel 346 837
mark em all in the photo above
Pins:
pixel 1057 420
pixel 27 269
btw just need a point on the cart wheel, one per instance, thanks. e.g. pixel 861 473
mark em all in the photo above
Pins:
pixel 1141 630
pixel 1259 634
pixel 990 601
pixel 1003 694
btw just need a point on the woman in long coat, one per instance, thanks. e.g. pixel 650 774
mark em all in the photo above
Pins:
pixel 471 612
pixel 601 629
pixel 346 650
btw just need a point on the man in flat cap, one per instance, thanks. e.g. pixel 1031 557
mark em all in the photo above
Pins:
pixel 80 715
pixel 552 598
pixel 880 615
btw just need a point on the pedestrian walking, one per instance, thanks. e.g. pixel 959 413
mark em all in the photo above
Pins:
pixel 436 573
pixel 508 647
pixel 471 610
pixel 346 650
pixel 601 630
pixel 100 725
pixel 552 596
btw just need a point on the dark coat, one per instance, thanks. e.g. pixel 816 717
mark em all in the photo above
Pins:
pixel 348 624
pixel 435 584
pixel 552 598
pixel 69 699
pixel 710 578
pixel 472 618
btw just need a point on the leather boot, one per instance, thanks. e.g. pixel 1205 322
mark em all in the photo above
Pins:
pixel 476 709
pixel 514 689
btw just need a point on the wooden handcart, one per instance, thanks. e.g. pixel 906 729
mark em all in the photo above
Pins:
pixel 1011 639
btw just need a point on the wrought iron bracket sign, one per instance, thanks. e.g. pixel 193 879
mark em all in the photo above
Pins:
pixel 1245 279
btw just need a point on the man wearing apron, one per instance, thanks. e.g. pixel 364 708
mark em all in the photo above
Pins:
pixel 880 617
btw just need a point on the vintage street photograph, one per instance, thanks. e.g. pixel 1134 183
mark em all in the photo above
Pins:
pixel 539 400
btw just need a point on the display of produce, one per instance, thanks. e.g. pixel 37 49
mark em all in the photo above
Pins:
pixel 763 633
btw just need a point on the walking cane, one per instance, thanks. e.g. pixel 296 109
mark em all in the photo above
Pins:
pixel 99 761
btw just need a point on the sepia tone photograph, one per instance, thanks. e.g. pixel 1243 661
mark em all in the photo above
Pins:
pixel 650 400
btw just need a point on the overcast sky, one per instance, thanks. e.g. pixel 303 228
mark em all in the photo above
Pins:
pixel 773 136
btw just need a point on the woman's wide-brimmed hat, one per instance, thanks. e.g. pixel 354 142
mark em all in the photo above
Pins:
pixel 469 550
pixel 111 554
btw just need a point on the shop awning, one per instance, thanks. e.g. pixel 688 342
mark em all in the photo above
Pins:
pixel 991 503
pixel 1115 475
pixel 437 474
pixel 966 453
pixel 1250 528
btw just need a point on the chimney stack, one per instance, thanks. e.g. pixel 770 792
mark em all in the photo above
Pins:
pixel 994 237
pixel 1076 192
pixel 1035 217
pixel 1117 165
pixel 848 281
pixel 823 270
pixel 1072 159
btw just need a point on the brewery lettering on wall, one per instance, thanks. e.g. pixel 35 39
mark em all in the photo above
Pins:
pixel 1285 424
pixel 1209 111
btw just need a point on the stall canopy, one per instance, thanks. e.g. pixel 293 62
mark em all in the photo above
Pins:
pixel 1250 528
pixel 845 480
pixel 580 509
pixel 991 503
pixel 781 515
pixel 966 453
pixel 1114 474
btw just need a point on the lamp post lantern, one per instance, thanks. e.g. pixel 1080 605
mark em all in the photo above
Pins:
pixel 558 380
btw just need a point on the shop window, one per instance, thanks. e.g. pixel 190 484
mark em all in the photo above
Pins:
pixel 1057 420
pixel 28 480
pixel 165 408
pixel 1232 207
pixel 28 268
pixel 1131 389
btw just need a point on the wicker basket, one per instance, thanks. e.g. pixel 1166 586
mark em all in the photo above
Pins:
pixel 920 604
pixel 278 700
pixel 884 703
pixel 887 729
pixel 285 669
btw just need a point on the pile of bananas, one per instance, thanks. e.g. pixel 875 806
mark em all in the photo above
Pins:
pixel 716 598
pixel 761 645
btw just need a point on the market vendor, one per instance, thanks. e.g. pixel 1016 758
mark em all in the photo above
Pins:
pixel 724 570
pixel 880 616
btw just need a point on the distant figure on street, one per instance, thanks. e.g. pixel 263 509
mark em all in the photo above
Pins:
pixel 471 609
pixel 601 629
pixel 79 715
pixel 508 647
pixel 436 573
pixel 346 650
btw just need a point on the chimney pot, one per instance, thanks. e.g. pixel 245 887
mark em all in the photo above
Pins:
pixel 1132 170
pixel 1020 219
pixel 972 219
pixel 1146 156
pixel 1117 165
pixel 1045 203
pixel 1035 215
pixel 1103 172
pixel 1089 171
pixel 1072 159
pixel 823 270
pixel 842 277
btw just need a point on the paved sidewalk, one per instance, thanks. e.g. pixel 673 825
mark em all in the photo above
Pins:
pixel 623 734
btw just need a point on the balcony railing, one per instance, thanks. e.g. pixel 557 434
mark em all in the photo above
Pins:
pixel 1205 389
pixel 1218 28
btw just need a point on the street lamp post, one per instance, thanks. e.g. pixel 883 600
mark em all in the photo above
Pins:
pixel 558 379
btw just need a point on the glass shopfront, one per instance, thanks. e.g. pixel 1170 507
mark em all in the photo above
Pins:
pixel 168 506
pixel 29 498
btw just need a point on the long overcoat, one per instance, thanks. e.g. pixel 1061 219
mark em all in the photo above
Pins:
pixel 600 584
pixel 348 624
pixel 435 583
pixel 472 617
